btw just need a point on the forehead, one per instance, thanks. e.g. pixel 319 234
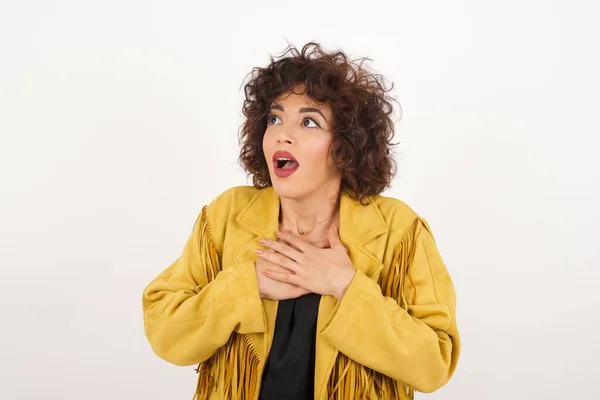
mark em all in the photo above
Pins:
pixel 293 100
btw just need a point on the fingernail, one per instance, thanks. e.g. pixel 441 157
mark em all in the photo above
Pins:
pixel 259 251
pixel 263 241
pixel 279 233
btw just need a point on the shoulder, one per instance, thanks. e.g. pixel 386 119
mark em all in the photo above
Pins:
pixel 398 215
pixel 228 204
pixel 233 198
pixel 222 211
pixel 394 210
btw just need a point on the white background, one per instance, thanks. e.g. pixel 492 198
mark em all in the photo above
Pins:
pixel 119 120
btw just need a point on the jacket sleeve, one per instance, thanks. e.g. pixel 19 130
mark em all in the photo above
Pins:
pixel 417 345
pixel 192 307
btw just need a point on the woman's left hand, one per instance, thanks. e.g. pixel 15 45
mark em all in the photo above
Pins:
pixel 326 271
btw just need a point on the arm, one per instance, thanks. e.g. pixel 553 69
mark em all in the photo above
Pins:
pixel 192 307
pixel 419 346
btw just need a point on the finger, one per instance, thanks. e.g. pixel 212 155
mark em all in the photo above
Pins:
pixel 282 248
pixel 277 259
pixel 294 240
pixel 283 277
pixel 269 264
pixel 334 238
pixel 291 245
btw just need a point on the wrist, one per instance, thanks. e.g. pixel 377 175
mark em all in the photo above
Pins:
pixel 343 284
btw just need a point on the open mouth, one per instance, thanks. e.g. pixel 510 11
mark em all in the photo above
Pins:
pixel 286 163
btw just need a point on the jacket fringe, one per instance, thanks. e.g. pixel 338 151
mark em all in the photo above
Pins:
pixel 350 380
pixel 233 369
pixel 235 366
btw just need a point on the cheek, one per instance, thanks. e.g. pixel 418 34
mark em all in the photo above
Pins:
pixel 267 142
pixel 321 152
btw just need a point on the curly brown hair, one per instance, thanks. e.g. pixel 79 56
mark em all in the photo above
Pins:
pixel 360 104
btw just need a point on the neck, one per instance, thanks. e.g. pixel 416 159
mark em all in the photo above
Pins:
pixel 313 214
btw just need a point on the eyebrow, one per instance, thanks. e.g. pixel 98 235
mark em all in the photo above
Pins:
pixel 302 110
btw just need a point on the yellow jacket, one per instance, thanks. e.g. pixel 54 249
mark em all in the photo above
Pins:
pixel 393 332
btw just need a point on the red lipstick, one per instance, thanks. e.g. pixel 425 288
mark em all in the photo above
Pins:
pixel 284 164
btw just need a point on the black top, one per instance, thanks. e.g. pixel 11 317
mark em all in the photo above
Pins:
pixel 290 370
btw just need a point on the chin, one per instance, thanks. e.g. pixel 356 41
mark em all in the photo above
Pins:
pixel 289 189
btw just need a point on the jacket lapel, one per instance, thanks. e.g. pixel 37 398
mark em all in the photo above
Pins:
pixel 260 217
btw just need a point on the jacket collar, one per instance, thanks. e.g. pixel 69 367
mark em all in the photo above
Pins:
pixel 358 223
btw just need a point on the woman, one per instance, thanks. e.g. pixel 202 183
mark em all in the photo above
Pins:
pixel 310 284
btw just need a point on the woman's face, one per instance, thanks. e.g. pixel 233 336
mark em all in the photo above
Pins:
pixel 297 146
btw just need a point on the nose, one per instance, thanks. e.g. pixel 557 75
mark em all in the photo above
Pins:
pixel 284 137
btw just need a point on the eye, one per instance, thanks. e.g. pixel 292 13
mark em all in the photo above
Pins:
pixel 306 123
pixel 273 119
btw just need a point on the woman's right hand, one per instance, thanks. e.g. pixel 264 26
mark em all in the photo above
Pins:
pixel 271 289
